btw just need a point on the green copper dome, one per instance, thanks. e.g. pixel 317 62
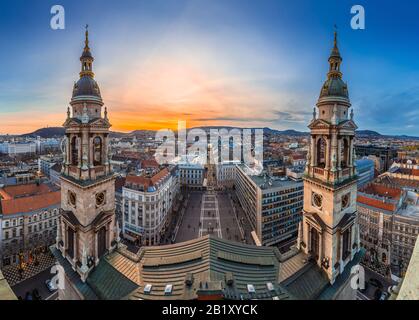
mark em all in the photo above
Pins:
pixel 334 87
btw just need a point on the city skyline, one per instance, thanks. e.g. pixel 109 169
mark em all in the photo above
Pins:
pixel 159 63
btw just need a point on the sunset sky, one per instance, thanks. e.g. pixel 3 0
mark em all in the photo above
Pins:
pixel 242 63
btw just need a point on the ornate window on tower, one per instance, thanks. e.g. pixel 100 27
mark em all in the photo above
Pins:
pixel 97 151
pixel 74 151
pixel 346 239
pixel 314 243
pixel 344 153
pixel 321 152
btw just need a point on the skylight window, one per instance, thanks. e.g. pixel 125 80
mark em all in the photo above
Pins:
pixel 168 289
pixel 147 288
pixel 251 288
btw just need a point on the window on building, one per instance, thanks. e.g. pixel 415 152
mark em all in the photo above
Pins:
pixel 97 147
pixel 74 151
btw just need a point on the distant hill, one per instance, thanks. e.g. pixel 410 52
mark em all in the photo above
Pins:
pixel 50 132
pixel 362 133
pixel 57 132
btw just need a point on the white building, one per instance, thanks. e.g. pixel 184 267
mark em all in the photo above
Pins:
pixel 146 204
pixel 15 148
pixel 226 173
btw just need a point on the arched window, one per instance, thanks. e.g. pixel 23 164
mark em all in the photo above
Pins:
pixel 97 150
pixel 344 156
pixel 314 243
pixel 321 152
pixel 74 151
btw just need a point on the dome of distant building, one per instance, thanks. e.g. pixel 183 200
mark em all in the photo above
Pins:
pixel 86 86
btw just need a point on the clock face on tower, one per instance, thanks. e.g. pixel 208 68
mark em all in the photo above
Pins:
pixel 317 200
pixel 100 199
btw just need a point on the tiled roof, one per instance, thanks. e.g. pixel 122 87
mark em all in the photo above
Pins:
pixel 382 190
pixel 147 182
pixel 11 192
pixel 31 203
pixel 149 164
pixel 376 203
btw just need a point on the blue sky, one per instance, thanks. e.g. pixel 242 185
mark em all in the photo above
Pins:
pixel 215 62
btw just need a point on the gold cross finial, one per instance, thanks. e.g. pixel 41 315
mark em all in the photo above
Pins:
pixel 87 37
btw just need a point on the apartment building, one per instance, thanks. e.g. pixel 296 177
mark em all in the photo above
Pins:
pixel 273 206
pixel 147 202
pixel 28 219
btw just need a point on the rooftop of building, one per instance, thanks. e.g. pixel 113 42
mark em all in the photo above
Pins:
pixel 146 182
pixel 265 181
pixel 208 266
pixel 28 198
pixel 392 181
pixel 380 196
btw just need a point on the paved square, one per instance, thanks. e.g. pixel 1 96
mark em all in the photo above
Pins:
pixel 212 213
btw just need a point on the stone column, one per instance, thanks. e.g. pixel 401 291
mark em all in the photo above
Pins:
pixel 320 246
pixel 96 248
pixel 91 152
pixel 339 159
pixel 313 151
pixel 75 240
pixel 327 153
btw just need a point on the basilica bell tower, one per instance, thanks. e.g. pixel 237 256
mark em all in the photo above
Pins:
pixel 329 228
pixel 86 231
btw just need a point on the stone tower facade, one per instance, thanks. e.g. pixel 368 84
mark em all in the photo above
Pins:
pixel 86 231
pixel 329 230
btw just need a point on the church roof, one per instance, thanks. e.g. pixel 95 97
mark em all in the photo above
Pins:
pixel 207 266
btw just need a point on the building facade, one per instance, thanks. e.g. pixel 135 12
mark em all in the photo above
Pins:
pixel 16 148
pixel 147 203
pixel 191 176
pixel 28 220
pixel 226 173
pixel 273 206
pixel 389 226
pixel 385 155
pixel 364 171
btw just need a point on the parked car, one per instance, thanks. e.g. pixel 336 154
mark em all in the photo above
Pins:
pixel 50 286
